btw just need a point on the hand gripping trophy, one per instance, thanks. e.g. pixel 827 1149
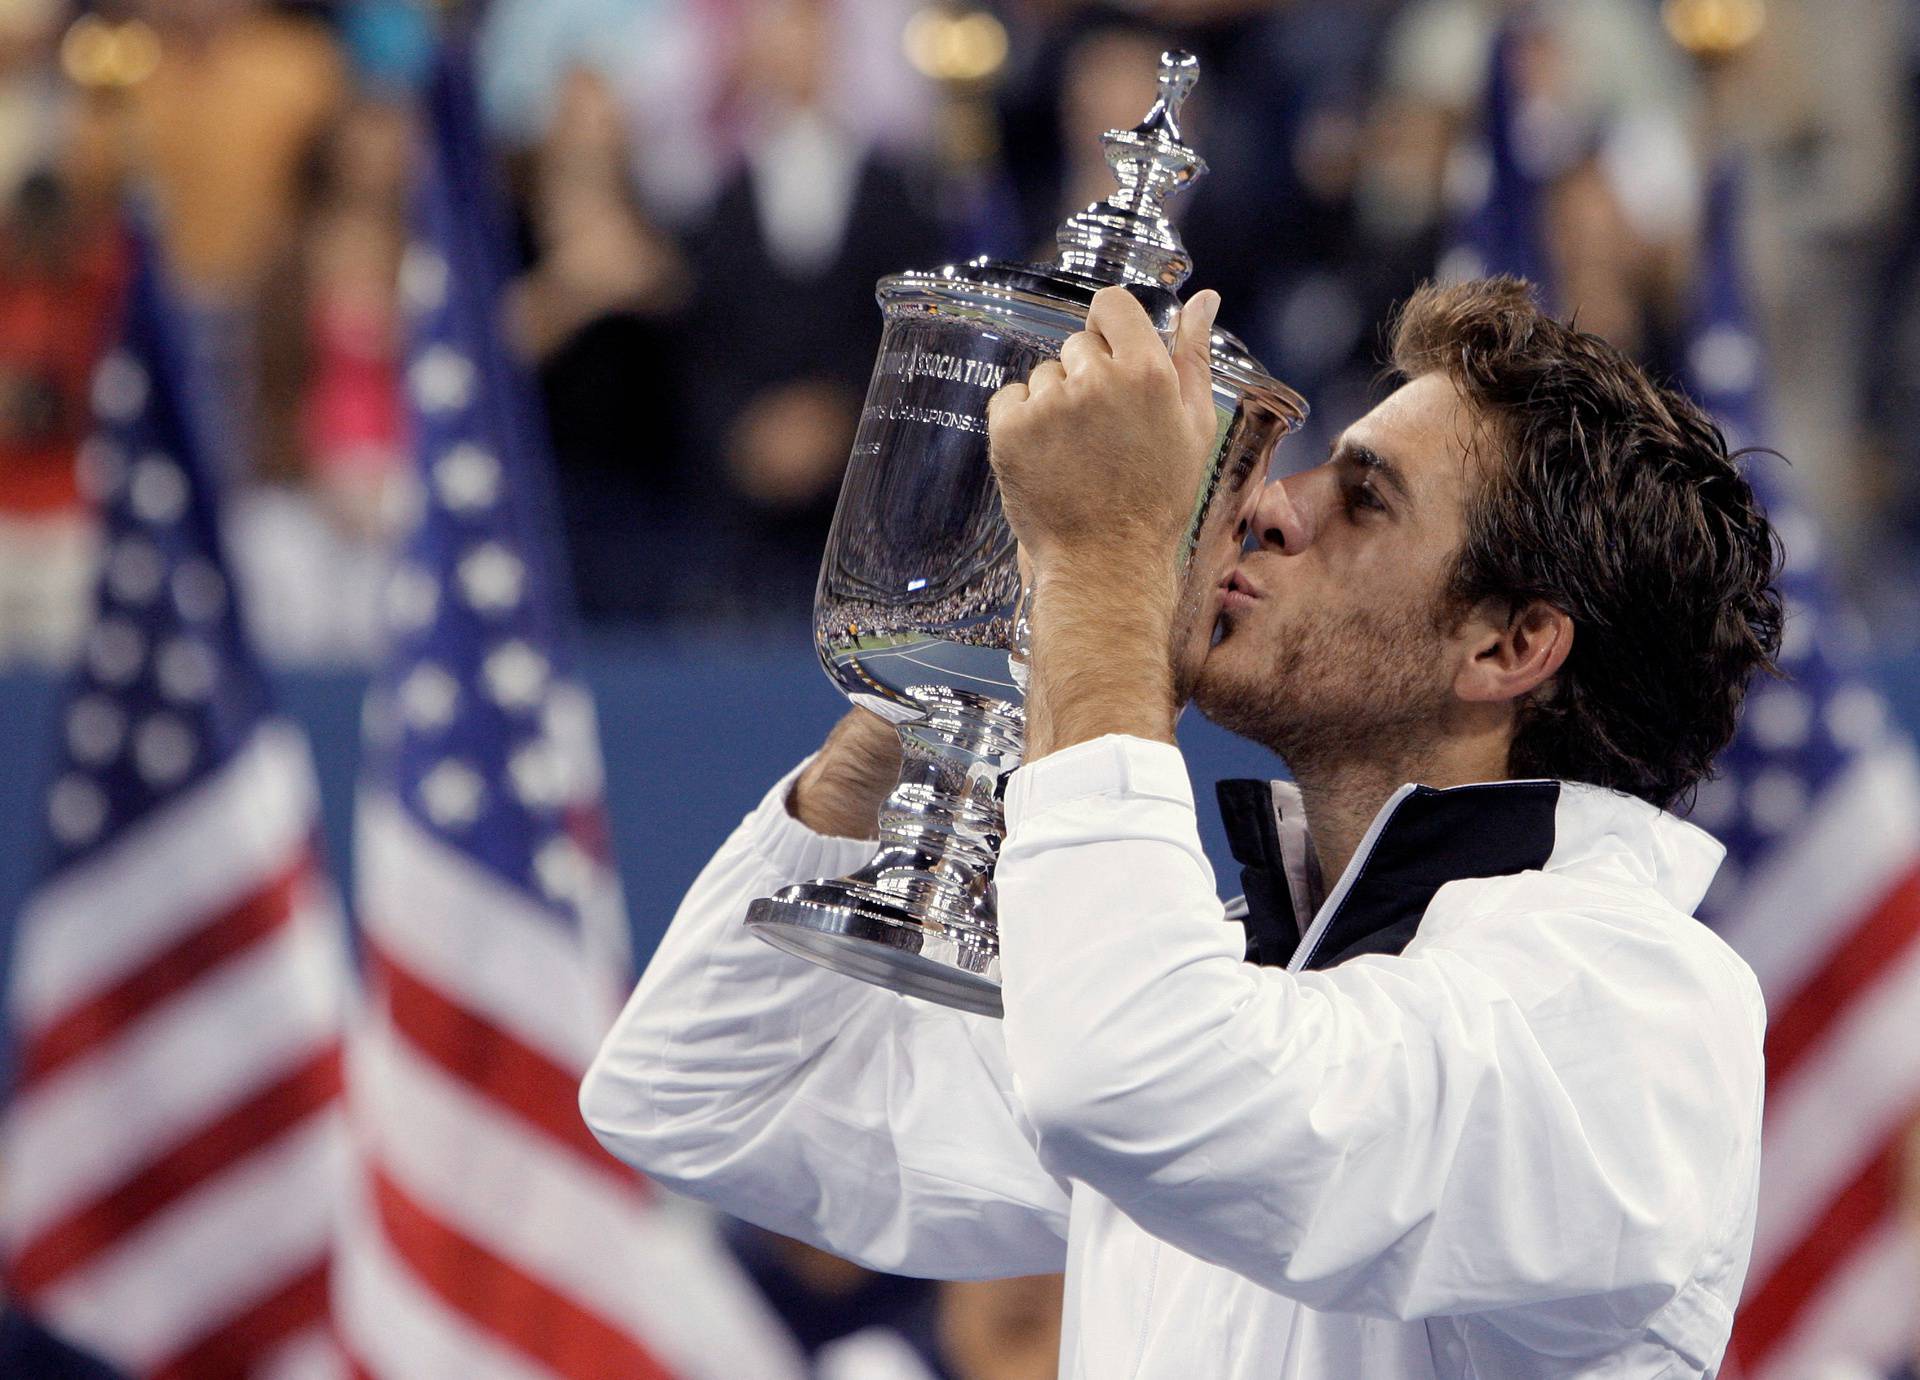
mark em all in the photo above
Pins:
pixel 920 614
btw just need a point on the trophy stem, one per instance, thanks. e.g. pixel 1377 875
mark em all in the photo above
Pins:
pixel 940 830
pixel 919 918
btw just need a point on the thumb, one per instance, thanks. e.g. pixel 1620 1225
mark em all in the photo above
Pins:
pixel 1192 356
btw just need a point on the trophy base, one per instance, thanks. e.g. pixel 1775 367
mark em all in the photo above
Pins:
pixel 841 927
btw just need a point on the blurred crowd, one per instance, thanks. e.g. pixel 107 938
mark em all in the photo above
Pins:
pixel 706 190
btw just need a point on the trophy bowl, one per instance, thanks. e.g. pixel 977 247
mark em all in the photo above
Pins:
pixel 920 611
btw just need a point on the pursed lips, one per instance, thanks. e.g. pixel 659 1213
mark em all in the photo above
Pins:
pixel 1237 591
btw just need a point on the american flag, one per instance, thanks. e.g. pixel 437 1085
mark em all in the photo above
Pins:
pixel 487 1233
pixel 1818 801
pixel 174 1138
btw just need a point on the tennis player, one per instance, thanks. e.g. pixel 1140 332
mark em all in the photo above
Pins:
pixel 1460 1088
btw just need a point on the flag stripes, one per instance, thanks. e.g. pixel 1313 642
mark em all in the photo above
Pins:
pixel 107 1013
pixel 1769 1312
pixel 260 807
pixel 192 1270
pixel 1856 960
pixel 533 1317
pixel 492 1063
pixel 175 1173
pixel 283 1314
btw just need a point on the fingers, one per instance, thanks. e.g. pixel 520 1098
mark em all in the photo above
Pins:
pixel 1047 375
pixel 1192 352
pixel 1083 348
pixel 1123 323
pixel 1006 396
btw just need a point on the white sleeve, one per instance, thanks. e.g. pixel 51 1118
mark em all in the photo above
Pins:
pixel 872 1125
pixel 1486 1121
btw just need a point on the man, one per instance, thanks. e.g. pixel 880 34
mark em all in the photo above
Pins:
pixel 1486 1100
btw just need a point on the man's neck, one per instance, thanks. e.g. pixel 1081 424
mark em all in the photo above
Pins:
pixel 1342 796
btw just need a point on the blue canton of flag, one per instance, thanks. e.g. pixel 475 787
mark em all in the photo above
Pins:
pixel 484 739
pixel 168 689
pixel 1798 732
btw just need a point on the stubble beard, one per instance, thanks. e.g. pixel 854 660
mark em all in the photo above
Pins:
pixel 1361 685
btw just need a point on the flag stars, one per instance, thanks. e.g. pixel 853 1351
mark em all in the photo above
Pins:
pixel 1799 538
pixel 539 776
pixel 1856 717
pixel 516 675
pixel 1725 359
pixel 163 749
pixel 135 571
pixel 116 651
pixel 96 730
pixel 562 869
pixel 76 810
pixel 119 387
pixel 467 478
pixel 452 794
pixel 187 669
pixel 442 379
pixel 423 278
pixel 157 489
pixel 413 597
pixel 491 577
pixel 428 696
pixel 1780 717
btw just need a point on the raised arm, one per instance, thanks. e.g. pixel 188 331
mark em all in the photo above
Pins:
pixel 815 1105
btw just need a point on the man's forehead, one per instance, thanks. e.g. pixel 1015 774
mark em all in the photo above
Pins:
pixel 1424 428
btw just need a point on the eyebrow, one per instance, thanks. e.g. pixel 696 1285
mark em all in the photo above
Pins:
pixel 1350 452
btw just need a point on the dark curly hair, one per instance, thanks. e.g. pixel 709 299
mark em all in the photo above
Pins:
pixel 1614 500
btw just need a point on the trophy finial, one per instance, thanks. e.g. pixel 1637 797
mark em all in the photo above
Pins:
pixel 1179 70
pixel 1127 238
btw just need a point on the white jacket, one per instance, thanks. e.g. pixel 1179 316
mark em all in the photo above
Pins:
pixel 1513 1130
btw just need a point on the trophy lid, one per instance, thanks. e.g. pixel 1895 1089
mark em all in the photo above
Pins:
pixel 1127 238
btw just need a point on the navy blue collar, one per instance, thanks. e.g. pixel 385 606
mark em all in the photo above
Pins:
pixel 1429 838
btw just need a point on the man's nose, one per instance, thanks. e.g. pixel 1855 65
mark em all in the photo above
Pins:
pixel 1285 518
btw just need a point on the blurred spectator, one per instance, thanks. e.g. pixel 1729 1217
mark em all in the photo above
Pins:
pixel 389 41
pixel 674 65
pixel 1821 102
pixel 784 324
pixel 600 313
pixel 823 1299
pixel 58 279
pixel 331 460
pixel 1606 111
pixel 1002 1329
pixel 857 1324
pixel 59 272
pixel 241 93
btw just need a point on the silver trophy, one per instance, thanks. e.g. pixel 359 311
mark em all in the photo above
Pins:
pixel 920 614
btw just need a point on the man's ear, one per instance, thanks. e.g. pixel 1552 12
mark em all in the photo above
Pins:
pixel 1509 659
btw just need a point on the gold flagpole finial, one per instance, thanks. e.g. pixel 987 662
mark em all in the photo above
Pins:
pixel 101 55
pixel 1714 29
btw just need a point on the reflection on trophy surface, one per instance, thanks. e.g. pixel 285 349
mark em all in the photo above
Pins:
pixel 919 614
